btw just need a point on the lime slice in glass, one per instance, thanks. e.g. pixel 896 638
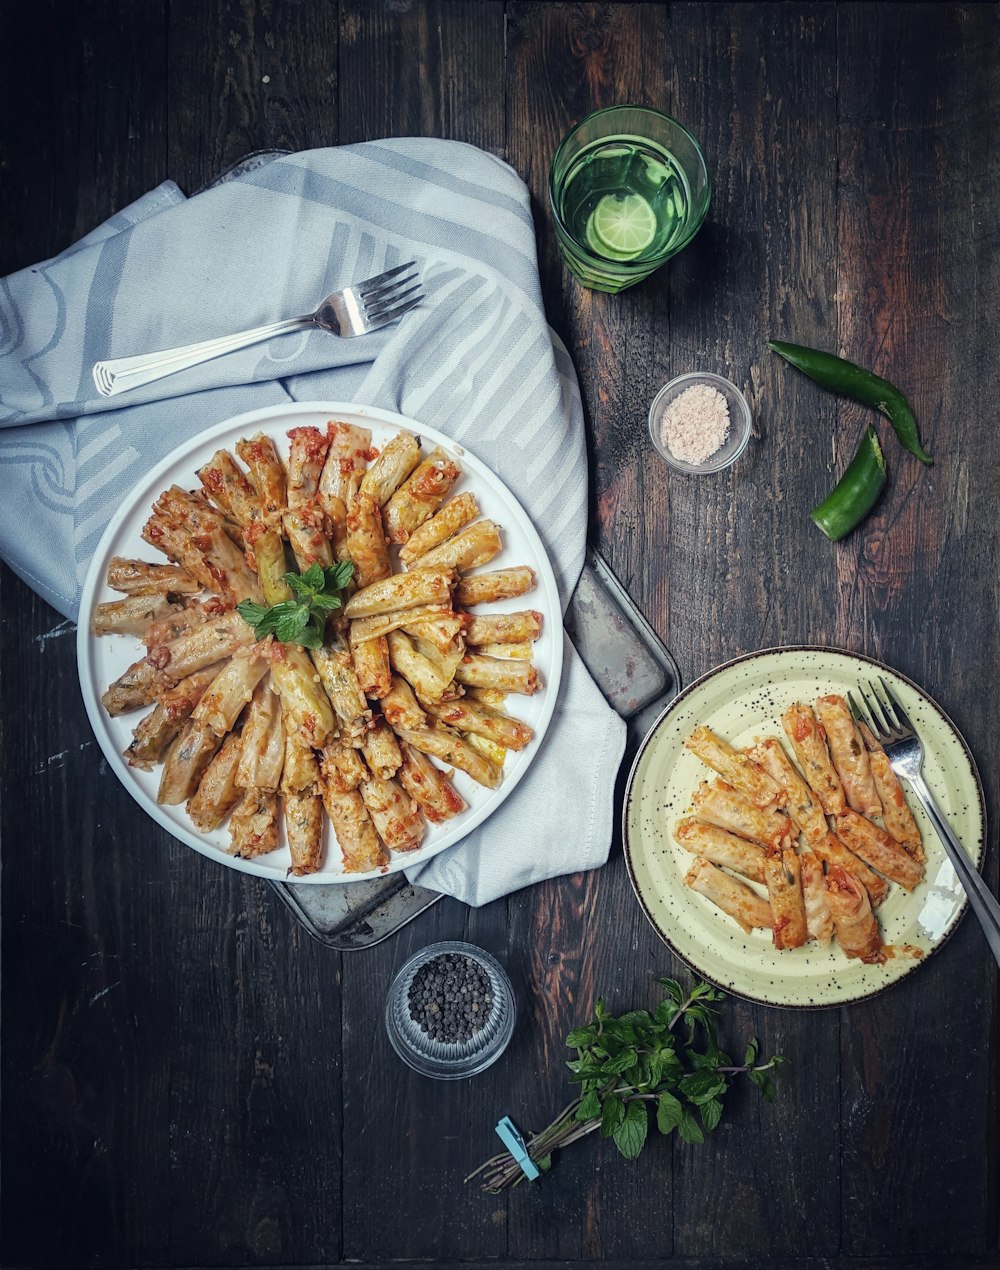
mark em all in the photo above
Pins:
pixel 621 228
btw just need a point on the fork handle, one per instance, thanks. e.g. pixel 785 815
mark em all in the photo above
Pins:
pixel 981 898
pixel 125 373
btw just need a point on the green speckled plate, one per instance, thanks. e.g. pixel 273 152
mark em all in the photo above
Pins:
pixel 745 699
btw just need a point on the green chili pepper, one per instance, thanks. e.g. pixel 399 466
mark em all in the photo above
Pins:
pixel 855 494
pixel 844 377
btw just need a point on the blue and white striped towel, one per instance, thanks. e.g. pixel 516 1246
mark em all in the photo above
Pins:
pixel 477 361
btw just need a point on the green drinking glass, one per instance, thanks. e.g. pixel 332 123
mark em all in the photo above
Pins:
pixel 629 188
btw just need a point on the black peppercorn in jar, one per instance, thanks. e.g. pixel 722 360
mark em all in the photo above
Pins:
pixel 450 1011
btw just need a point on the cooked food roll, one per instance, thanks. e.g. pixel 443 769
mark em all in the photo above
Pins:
pixel 422 674
pixel 471 716
pixel 420 495
pixel 850 908
pixel 263 742
pixel 305 529
pixel 809 745
pixel 784 892
pixel 819 923
pixel 346 462
pixel 304 831
pixel 381 750
pixel 744 906
pixel 401 591
pixel 734 768
pixel 178 545
pixel 266 472
pixel 445 661
pixel 172 625
pixel 445 631
pixel 878 849
pixel 493 672
pixel 233 577
pixel 336 672
pixel 428 786
pixel 168 665
pixel 722 848
pixel 372 666
pixel 395 463
pixel 227 486
pixel 719 804
pixel 506 652
pixel 441 742
pixel 453 516
pixel 850 757
pixel 501 584
pixel 190 753
pixel 253 826
pixel 137 577
pixel 831 850
pixel 360 845
pixel 154 732
pixel 477 545
pixel 232 689
pixel 306 458
pixel 300 773
pixel 131 616
pixel 362 628
pixel 896 814
pixel 217 793
pixel 401 707
pixel 305 705
pixel 502 628
pixel 266 554
pixel 795 797
pixel 396 817
pixel 345 763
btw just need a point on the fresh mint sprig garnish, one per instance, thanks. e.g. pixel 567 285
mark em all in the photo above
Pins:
pixel 301 621
pixel 629 1065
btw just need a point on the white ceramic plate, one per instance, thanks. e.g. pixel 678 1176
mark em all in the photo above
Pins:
pixel 101 661
pixel 745 699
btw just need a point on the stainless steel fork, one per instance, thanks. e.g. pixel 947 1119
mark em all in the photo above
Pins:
pixel 356 310
pixel 894 731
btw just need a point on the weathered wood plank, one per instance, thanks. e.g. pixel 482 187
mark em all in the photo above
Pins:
pixel 83 96
pixel 247 77
pixel 433 69
pixel 918 285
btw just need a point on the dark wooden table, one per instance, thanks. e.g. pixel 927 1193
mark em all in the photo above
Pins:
pixel 188 1079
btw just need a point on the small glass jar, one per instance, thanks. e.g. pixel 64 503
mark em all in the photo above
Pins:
pixel 450 1060
pixel 740 423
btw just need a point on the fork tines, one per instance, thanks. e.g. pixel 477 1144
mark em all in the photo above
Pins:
pixel 887 719
pixel 389 295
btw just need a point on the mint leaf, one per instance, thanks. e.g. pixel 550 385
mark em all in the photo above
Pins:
pixel 580 1037
pixel 301 588
pixel 625 1060
pixel 687 1128
pixel 701 1086
pixel 669 1112
pixel 313 578
pixel 312 633
pixel 589 1108
pixel 252 614
pixel 750 1053
pixel 614 1114
pixel 631 1133
pixel 291 625
pixel 325 603
pixel 337 576
pixel 711 1113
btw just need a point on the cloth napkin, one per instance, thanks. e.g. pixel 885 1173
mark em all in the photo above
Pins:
pixel 476 361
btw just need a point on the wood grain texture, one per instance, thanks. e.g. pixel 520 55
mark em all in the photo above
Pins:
pixel 246 77
pixel 83 97
pixel 187 1078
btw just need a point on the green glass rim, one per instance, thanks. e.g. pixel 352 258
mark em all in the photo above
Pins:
pixel 650 263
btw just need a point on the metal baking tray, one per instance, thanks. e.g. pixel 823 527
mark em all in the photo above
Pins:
pixel 631 666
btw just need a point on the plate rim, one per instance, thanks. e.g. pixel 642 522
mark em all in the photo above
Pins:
pixel 677 701
pixel 93 581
